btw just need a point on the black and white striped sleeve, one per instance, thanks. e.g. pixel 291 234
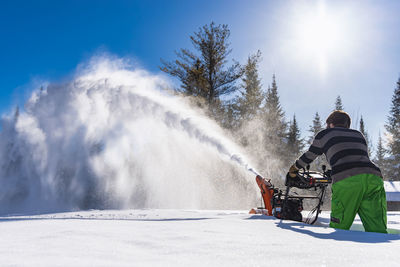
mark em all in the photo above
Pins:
pixel 315 150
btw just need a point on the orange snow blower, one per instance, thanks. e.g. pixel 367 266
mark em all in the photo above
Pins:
pixel 287 206
pixel 267 194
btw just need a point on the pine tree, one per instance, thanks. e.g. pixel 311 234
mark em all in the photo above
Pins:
pixel 249 103
pixel 366 135
pixel 338 103
pixel 393 129
pixel 195 82
pixel 315 128
pixel 205 73
pixel 294 142
pixel 380 156
pixel 275 125
pixel 228 115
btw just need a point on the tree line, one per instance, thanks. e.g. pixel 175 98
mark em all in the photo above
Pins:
pixel 255 116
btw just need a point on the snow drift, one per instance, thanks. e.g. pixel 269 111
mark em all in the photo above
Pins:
pixel 112 137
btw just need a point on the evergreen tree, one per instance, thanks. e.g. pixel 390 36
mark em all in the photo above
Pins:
pixel 272 99
pixel 380 156
pixel 195 82
pixel 228 115
pixel 294 142
pixel 205 73
pixel 249 103
pixel 275 125
pixel 366 135
pixel 338 103
pixel 393 128
pixel 315 128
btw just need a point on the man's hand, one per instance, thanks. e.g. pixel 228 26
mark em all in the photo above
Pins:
pixel 293 171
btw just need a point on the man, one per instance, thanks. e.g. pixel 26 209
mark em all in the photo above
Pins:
pixel 357 184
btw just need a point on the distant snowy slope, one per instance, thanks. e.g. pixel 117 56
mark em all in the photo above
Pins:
pixel 188 238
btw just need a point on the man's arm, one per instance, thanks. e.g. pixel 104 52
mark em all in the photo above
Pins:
pixel 315 150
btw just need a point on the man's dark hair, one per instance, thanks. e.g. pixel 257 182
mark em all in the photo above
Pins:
pixel 339 118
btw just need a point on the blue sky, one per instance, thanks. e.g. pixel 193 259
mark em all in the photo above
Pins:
pixel 317 49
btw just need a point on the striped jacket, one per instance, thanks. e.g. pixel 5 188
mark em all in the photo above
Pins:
pixel 346 151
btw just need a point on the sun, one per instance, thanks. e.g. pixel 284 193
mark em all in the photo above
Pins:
pixel 319 35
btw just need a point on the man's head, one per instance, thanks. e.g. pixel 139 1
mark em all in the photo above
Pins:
pixel 338 118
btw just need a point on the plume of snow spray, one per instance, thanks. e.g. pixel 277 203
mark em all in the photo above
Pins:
pixel 238 159
pixel 113 138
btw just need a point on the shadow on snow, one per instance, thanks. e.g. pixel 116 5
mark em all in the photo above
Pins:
pixel 336 234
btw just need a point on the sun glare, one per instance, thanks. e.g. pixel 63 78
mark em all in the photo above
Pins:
pixel 318 35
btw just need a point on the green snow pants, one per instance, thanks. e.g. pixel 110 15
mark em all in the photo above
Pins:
pixel 363 194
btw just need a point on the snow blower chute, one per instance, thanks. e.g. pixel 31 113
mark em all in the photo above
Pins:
pixel 287 206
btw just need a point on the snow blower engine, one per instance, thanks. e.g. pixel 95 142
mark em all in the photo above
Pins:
pixel 286 206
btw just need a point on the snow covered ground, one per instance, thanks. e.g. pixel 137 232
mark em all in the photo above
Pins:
pixel 189 238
